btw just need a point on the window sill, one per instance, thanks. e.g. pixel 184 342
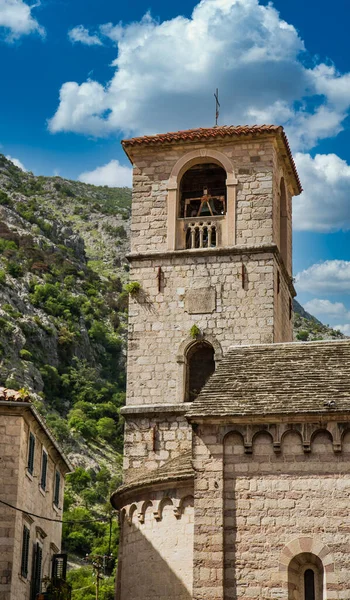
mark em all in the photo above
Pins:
pixel 23 579
pixel 29 475
pixel 57 509
pixel 42 492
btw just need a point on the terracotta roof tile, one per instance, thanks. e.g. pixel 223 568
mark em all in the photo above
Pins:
pixel 13 396
pixel 176 469
pixel 290 378
pixel 207 133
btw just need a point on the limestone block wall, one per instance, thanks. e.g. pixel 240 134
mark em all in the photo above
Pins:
pixel 283 322
pixel 156 548
pixel 150 440
pixel 253 163
pixel 160 322
pixel 10 429
pixel 281 493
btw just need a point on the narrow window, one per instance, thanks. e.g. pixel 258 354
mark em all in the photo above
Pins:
pixel 309 584
pixel 278 282
pixel 31 451
pixel 43 471
pixel 57 488
pixel 25 552
pixel 200 365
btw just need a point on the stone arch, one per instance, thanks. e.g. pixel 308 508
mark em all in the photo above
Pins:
pixel 310 551
pixel 292 449
pixel 201 156
pixel 318 448
pixel 158 512
pixel 259 435
pixel 132 510
pixel 144 505
pixel 181 359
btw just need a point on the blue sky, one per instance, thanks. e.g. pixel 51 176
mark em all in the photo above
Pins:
pixel 79 75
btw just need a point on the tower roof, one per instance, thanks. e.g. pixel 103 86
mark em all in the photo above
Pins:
pixel 274 379
pixel 212 133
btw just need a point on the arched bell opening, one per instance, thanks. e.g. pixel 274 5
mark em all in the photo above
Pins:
pixel 283 223
pixel 200 365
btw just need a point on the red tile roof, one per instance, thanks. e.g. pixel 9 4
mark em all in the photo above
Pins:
pixel 13 395
pixel 193 135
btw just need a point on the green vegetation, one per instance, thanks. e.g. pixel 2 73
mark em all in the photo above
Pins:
pixel 133 287
pixel 195 331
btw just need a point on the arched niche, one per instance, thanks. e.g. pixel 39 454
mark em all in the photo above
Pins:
pixel 200 365
pixel 219 228
pixel 185 353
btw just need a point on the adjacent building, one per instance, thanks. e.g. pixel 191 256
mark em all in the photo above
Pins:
pixel 32 471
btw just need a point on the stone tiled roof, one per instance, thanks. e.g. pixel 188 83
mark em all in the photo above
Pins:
pixel 305 377
pixel 177 469
pixel 208 133
pixel 9 395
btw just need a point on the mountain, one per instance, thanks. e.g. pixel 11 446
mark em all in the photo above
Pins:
pixel 308 328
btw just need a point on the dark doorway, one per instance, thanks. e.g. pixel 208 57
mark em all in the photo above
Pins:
pixel 309 584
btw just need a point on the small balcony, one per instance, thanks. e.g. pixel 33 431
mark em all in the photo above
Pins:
pixel 198 232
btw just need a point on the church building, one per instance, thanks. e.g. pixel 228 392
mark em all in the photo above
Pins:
pixel 237 439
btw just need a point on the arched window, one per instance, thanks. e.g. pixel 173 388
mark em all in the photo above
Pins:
pixel 202 204
pixel 283 245
pixel 305 577
pixel 200 365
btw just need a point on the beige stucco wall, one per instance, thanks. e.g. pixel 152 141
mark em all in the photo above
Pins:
pixel 23 490
pixel 156 556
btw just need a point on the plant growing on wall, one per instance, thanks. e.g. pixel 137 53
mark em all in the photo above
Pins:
pixel 195 332
pixel 133 287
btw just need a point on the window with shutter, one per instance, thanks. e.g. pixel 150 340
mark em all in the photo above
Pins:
pixel 31 450
pixel 36 571
pixel 25 552
pixel 57 488
pixel 43 471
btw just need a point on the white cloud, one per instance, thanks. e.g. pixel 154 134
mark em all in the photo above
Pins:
pixel 166 73
pixel 324 205
pixel 318 307
pixel 17 19
pixel 16 162
pixel 331 276
pixel 345 329
pixel 82 35
pixel 112 174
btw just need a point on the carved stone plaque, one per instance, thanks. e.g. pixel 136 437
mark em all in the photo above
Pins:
pixel 200 301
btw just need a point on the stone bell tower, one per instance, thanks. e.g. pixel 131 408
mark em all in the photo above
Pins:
pixel 211 250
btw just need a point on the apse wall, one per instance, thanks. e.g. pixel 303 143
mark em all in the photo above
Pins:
pixel 157 549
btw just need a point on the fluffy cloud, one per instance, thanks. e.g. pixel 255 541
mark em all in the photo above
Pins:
pixel 345 328
pixel 17 19
pixel 166 73
pixel 16 162
pixel 319 307
pixel 331 276
pixel 82 35
pixel 112 174
pixel 324 206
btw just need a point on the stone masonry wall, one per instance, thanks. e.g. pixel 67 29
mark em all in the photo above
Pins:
pixel 150 440
pixel 10 429
pixel 159 322
pixel 260 505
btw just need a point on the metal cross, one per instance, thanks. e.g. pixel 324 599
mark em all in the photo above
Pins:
pixel 216 96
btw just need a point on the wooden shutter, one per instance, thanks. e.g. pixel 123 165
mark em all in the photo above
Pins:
pixel 25 552
pixel 43 471
pixel 36 571
pixel 57 488
pixel 59 566
pixel 31 451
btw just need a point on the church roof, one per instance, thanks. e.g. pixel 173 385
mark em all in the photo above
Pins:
pixel 274 379
pixel 176 469
pixel 210 133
